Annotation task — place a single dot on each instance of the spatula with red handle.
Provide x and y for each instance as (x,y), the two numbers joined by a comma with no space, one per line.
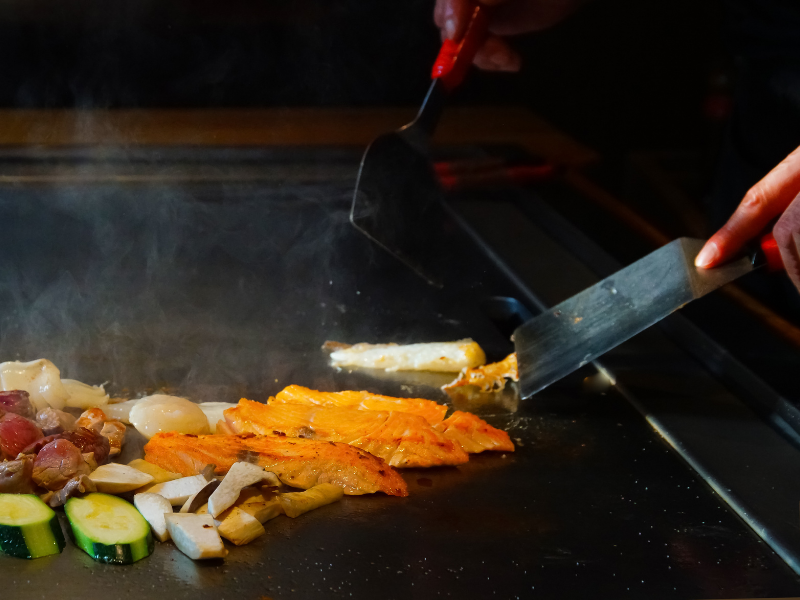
(397,200)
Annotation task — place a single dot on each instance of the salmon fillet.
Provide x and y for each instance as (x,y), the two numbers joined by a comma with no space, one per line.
(296,394)
(401,439)
(297,462)
(474,434)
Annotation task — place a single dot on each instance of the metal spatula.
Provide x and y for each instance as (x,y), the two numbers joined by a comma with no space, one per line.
(600,318)
(398,201)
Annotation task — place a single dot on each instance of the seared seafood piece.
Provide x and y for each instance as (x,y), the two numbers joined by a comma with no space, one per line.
(297,462)
(114,432)
(437,356)
(488,378)
(474,434)
(401,439)
(92,419)
(296,394)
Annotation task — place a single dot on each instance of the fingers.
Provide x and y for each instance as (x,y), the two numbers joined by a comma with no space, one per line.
(452,17)
(762,203)
(787,235)
(497,55)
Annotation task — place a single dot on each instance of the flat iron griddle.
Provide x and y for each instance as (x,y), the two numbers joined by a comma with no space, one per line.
(222,290)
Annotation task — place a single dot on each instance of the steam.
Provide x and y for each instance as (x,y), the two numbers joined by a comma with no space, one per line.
(200,290)
(210,291)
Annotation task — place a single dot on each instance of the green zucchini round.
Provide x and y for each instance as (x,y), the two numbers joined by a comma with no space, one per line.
(28,527)
(109,529)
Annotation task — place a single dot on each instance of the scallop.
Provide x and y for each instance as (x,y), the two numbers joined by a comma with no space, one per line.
(121,411)
(213,412)
(161,413)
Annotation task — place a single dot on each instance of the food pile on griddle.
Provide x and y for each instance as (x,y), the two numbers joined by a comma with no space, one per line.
(217,471)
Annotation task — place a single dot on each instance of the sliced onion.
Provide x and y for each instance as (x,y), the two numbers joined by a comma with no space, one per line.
(40,378)
(84,396)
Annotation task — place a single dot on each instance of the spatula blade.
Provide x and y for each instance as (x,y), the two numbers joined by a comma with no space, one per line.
(603,316)
(397,202)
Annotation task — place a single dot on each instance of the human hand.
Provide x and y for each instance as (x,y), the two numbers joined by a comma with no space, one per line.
(776,194)
(511,17)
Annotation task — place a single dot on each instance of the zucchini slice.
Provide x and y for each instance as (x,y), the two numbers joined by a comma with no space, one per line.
(28,527)
(109,529)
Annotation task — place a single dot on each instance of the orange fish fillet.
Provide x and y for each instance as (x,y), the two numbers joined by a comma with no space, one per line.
(295,394)
(474,434)
(401,439)
(297,462)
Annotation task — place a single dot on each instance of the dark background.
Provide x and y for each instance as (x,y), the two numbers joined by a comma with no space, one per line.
(620,74)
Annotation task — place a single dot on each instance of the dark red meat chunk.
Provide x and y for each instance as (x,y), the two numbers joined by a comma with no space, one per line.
(16,476)
(90,441)
(18,402)
(36,446)
(57,463)
(16,433)
(53,421)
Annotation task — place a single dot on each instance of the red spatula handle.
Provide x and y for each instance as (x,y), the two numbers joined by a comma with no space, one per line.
(772,253)
(455,57)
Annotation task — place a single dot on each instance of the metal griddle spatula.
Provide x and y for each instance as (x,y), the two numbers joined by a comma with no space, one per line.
(397,202)
(600,318)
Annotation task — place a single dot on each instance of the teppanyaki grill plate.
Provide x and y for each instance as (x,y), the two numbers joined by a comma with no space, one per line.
(220,291)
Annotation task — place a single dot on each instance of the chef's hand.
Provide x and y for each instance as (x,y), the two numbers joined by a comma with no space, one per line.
(777,194)
(511,18)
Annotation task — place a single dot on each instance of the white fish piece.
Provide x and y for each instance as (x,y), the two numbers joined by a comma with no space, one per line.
(195,535)
(240,475)
(154,507)
(295,504)
(159,413)
(82,395)
(178,491)
(120,410)
(40,378)
(213,412)
(436,356)
(114,478)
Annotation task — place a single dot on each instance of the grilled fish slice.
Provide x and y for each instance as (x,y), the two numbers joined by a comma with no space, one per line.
(297,462)
(427,409)
(401,439)
(437,356)
(474,434)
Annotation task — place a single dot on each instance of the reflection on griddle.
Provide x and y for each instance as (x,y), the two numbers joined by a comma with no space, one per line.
(472,399)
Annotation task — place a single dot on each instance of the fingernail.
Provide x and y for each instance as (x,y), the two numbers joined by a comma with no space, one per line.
(450,29)
(707,255)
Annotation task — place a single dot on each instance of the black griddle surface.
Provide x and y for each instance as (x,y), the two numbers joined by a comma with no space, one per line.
(223,291)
